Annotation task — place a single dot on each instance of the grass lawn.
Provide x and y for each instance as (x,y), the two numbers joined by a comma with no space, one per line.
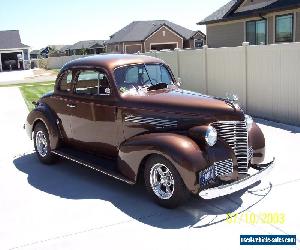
(26,84)
(33,92)
(56,70)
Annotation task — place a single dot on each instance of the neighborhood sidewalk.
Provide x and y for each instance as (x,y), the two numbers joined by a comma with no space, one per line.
(66,206)
(27,76)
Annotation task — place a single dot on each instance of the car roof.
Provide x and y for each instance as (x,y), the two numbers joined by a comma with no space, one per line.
(110,61)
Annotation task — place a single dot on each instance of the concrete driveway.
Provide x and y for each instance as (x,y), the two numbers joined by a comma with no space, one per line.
(66,206)
(27,76)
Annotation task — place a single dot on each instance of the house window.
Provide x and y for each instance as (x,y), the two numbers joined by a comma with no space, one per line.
(164,33)
(117,48)
(199,43)
(284,28)
(256,32)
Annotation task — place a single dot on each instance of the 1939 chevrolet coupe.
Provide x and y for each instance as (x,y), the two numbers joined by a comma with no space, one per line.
(125,116)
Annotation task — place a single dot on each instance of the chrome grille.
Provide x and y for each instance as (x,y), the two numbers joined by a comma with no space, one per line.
(236,135)
(223,167)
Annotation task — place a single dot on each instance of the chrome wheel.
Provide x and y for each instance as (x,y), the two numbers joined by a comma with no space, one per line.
(161,181)
(41,143)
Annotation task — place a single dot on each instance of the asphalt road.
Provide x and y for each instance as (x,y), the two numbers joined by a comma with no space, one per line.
(66,206)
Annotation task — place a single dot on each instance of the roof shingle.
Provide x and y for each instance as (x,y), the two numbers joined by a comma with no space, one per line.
(10,39)
(227,12)
(86,44)
(140,30)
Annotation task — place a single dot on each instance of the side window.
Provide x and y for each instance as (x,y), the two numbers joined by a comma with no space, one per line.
(92,83)
(65,83)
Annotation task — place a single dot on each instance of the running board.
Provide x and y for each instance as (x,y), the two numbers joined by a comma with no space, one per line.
(98,164)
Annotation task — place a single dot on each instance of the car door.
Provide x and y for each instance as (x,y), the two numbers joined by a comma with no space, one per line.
(61,102)
(93,121)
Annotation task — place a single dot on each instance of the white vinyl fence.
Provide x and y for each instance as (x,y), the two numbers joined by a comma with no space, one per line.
(266,78)
(58,62)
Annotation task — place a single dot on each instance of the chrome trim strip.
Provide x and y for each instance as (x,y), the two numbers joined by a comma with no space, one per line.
(151,121)
(91,167)
(212,193)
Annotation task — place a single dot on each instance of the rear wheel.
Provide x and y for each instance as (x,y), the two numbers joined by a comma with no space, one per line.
(164,183)
(42,144)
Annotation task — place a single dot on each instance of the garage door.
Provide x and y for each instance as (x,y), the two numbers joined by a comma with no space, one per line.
(162,46)
(134,48)
(9,61)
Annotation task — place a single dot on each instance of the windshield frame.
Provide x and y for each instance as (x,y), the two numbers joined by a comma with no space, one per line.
(141,64)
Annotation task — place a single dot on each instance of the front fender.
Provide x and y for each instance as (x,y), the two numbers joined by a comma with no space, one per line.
(180,150)
(44,114)
(257,142)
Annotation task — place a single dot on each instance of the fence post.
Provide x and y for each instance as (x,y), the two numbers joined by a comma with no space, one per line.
(245,89)
(178,62)
(205,47)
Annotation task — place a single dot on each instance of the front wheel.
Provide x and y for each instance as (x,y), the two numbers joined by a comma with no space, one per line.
(164,183)
(42,144)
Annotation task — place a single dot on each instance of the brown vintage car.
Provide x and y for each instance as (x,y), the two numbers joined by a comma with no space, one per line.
(125,116)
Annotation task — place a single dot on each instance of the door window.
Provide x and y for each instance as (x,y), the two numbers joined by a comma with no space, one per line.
(92,83)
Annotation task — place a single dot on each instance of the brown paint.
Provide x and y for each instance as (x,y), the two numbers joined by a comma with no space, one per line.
(98,123)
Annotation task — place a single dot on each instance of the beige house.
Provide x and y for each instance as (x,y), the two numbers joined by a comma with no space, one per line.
(255,21)
(143,36)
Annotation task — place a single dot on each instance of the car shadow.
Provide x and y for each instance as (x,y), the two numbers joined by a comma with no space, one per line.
(71,181)
(290,128)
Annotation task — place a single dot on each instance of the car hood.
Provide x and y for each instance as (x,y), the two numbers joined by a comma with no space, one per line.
(187,104)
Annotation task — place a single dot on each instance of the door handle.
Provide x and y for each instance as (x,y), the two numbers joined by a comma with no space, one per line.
(71,106)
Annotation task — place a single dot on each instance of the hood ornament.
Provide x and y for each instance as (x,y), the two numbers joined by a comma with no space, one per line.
(232,100)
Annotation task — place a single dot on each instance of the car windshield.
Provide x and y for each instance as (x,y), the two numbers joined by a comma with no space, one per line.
(138,79)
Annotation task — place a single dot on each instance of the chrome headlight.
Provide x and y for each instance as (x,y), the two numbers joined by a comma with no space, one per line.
(249,122)
(211,136)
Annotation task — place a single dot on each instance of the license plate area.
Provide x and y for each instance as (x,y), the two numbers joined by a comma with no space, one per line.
(207,177)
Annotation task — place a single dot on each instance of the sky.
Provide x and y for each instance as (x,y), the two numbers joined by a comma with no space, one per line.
(64,22)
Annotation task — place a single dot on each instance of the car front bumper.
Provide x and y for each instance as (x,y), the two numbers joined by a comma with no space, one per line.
(223,190)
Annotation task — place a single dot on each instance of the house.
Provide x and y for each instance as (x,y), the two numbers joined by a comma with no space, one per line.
(13,53)
(143,36)
(255,21)
(35,54)
(51,51)
(86,47)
